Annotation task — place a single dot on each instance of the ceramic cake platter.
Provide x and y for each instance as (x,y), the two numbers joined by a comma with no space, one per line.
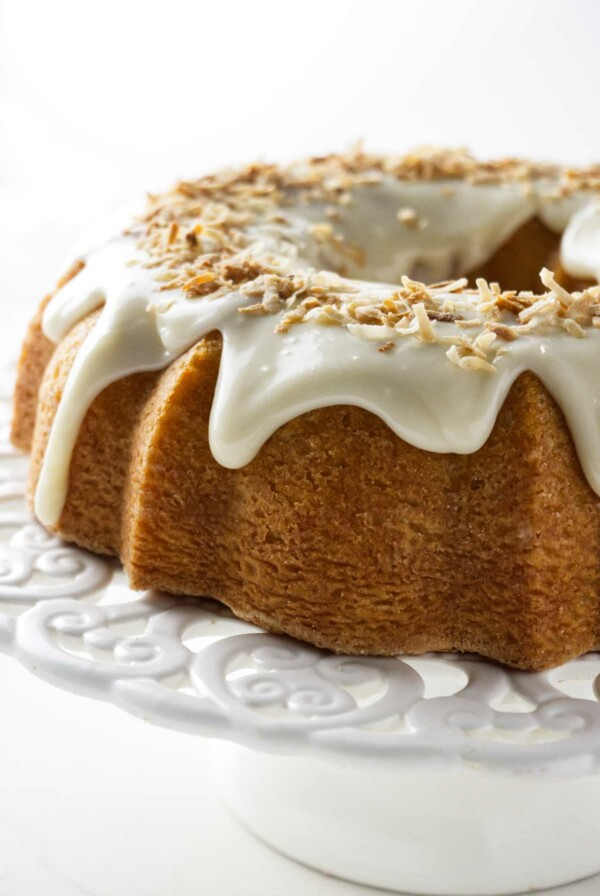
(441,767)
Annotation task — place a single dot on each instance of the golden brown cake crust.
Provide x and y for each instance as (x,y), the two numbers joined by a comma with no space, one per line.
(339,532)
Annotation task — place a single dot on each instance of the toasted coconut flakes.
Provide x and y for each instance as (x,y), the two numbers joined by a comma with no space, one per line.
(289,320)
(426,331)
(408,217)
(413,285)
(386,347)
(369,314)
(172,233)
(328,280)
(543,306)
(453,355)
(484,341)
(484,290)
(584,306)
(441,284)
(199,280)
(456,285)
(322,232)
(469,324)
(572,327)
(447,317)
(502,331)
(468,362)
(328,314)
(547,278)
(253,309)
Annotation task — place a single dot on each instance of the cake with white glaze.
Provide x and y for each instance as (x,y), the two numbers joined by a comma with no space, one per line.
(338,397)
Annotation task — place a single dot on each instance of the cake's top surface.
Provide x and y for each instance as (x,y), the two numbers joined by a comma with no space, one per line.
(240,230)
(271,256)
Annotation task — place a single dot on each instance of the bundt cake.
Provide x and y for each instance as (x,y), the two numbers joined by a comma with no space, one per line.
(233,398)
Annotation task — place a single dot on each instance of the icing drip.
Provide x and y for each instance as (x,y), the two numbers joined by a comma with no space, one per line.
(581,243)
(267,378)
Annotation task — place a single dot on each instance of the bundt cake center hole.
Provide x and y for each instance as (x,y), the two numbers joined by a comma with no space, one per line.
(372,255)
(516,265)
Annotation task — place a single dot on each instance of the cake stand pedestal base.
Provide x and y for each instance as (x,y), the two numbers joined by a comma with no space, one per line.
(457,830)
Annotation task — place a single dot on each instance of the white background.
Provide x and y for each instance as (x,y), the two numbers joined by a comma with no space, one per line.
(100,101)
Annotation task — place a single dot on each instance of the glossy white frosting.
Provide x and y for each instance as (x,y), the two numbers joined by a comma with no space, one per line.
(268,378)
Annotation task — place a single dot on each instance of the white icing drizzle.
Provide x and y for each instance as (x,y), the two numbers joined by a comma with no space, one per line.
(268,378)
(581,243)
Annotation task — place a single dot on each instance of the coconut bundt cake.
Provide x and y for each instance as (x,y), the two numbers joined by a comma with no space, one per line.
(301,390)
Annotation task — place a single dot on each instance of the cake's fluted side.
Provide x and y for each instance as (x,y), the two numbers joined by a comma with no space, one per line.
(338,532)
(100,464)
(35,356)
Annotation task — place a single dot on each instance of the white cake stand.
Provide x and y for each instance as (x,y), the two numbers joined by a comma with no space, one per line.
(430,775)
